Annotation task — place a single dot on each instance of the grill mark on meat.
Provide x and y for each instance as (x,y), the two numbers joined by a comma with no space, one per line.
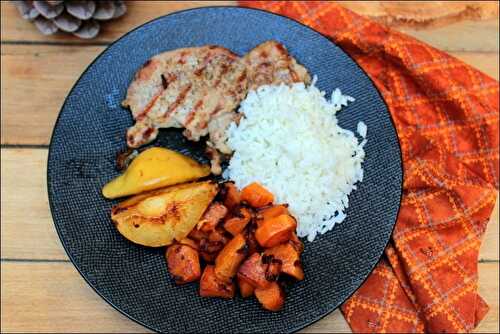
(242,77)
(203,125)
(164,82)
(281,49)
(216,110)
(148,107)
(225,69)
(192,113)
(206,60)
(293,74)
(130,139)
(148,132)
(180,98)
(147,69)
(199,71)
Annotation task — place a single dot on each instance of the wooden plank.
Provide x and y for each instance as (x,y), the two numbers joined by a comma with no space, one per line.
(24,190)
(52,297)
(35,79)
(459,35)
(46,73)
(462,36)
(15,28)
(446,25)
(27,228)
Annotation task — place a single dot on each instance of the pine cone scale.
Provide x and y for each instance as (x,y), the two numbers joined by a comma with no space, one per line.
(78,17)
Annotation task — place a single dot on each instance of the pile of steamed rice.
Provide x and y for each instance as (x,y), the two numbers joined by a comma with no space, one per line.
(290,142)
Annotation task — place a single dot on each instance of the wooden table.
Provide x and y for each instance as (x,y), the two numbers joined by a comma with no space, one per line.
(41,290)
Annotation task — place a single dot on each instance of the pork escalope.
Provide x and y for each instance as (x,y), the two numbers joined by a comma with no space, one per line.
(185,88)
(199,89)
(270,63)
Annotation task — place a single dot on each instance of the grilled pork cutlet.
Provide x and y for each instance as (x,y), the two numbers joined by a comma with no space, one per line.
(186,88)
(270,63)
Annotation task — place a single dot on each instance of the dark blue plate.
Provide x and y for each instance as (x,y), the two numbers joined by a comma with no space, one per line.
(90,131)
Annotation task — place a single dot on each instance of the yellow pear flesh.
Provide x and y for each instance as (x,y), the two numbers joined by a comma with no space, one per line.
(155,168)
(161,216)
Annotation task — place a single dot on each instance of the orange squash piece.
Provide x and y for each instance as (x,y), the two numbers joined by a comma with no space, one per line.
(271,212)
(232,196)
(230,258)
(211,217)
(271,298)
(246,289)
(253,271)
(256,195)
(237,224)
(183,263)
(211,286)
(290,259)
(275,231)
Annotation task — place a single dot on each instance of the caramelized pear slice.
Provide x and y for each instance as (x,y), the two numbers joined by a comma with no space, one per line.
(159,217)
(155,168)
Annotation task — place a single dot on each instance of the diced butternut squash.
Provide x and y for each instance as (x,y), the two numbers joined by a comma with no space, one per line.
(290,259)
(275,231)
(231,195)
(230,258)
(215,241)
(211,286)
(271,298)
(211,217)
(237,224)
(183,263)
(246,289)
(253,271)
(271,212)
(256,195)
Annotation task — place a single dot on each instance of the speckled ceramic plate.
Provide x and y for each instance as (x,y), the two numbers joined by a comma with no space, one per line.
(90,131)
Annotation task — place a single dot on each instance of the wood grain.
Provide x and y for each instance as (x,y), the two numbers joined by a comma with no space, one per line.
(458,36)
(46,73)
(31,235)
(53,297)
(35,79)
(14,28)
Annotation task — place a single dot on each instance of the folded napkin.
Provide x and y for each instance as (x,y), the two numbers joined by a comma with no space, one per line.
(446,116)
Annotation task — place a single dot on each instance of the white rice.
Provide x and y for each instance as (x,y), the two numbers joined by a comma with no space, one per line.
(289,141)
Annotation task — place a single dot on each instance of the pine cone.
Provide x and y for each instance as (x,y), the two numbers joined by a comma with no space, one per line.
(80,18)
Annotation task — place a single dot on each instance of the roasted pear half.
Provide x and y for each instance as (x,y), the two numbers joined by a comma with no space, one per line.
(159,217)
(155,168)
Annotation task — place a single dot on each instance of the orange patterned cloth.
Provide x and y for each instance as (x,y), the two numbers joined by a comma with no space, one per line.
(446,114)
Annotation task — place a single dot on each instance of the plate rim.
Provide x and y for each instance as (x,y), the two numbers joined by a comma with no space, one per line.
(52,205)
